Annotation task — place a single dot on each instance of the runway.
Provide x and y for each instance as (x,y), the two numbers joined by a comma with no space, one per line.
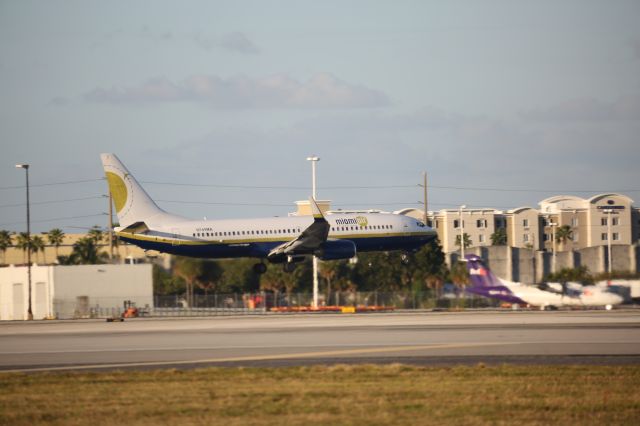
(428,338)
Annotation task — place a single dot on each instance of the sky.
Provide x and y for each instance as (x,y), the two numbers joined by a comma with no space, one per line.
(214,106)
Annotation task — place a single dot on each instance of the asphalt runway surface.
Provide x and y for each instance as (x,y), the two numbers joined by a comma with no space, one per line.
(424,338)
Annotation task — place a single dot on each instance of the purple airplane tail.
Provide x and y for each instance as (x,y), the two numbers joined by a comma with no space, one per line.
(485,283)
(479,274)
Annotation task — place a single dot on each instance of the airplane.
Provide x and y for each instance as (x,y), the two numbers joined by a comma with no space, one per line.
(485,283)
(284,240)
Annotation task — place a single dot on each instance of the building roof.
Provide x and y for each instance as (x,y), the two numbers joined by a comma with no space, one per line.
(520,209)
(562,202)
(599,197)
(571,202)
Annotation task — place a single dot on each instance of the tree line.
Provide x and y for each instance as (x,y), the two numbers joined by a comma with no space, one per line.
(85,250)
(376,271)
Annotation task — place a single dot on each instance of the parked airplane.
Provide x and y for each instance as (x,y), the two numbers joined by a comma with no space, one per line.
(285,240)
(485,283)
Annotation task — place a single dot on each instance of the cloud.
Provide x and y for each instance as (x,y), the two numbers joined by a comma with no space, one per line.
(236,42)
(60,101)
(635,45)
(378,147)
(322,90)
(588,109)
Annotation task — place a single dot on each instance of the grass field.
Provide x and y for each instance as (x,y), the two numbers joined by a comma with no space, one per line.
(361,394)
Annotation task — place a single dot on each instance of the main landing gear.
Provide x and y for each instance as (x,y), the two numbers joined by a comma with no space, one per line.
(260,268)
(288,267)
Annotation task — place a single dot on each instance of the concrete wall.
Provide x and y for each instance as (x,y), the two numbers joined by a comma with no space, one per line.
(529,266)
(71,291)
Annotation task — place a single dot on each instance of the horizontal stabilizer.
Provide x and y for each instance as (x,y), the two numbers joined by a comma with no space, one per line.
(135,228)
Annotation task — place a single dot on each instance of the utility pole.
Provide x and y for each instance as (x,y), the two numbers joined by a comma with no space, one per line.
(424,187)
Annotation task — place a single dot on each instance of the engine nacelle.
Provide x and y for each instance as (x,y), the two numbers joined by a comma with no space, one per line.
(337,249)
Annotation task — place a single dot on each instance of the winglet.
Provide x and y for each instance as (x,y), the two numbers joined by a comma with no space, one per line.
(315,210)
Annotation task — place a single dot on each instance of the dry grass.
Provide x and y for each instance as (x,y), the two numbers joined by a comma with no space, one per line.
(363,394)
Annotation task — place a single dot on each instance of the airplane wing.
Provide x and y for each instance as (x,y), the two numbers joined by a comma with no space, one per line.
(308,241)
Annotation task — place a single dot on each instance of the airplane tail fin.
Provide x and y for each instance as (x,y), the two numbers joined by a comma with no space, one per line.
(132,203)
(479,274)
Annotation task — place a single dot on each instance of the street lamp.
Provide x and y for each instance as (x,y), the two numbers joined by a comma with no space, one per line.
(314,159)
(464,206)
(26,169)
(552,225)
(608,212)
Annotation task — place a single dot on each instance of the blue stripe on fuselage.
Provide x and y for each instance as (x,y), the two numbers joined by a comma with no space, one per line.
(261,249)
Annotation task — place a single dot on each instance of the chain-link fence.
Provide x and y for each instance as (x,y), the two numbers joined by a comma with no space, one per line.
(261,303)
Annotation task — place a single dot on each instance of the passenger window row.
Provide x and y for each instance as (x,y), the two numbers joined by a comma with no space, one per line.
(287,231)
(360,228)
(241,233)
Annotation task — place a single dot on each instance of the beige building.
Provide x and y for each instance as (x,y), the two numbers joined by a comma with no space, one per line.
(121,253)
(478,224)
(523,228)
(591,223)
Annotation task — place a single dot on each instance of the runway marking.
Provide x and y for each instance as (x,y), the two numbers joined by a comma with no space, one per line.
(262,357)
(337,345)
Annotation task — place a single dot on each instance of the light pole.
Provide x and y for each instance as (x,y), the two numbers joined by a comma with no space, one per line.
(314,159)
(552,225)
(464,206)
(26,169)
(609,212)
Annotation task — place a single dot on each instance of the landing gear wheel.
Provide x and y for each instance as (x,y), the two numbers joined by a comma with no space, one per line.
(289,267)
(259,268)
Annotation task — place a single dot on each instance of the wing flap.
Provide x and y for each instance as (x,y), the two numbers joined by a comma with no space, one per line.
(308,241)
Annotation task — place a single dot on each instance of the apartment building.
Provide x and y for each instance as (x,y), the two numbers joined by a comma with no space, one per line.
(572,222)
(591,221)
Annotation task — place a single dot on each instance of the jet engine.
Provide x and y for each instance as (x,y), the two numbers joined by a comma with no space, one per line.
(336,249)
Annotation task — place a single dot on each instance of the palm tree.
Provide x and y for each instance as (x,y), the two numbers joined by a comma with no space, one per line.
(23,243)
(329,270)
(85,252)
(189,269)
(56,238)
(96,234)
(37,245)
(467,240)
(5,242)
(459,274)
(499,237)
(564,234)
